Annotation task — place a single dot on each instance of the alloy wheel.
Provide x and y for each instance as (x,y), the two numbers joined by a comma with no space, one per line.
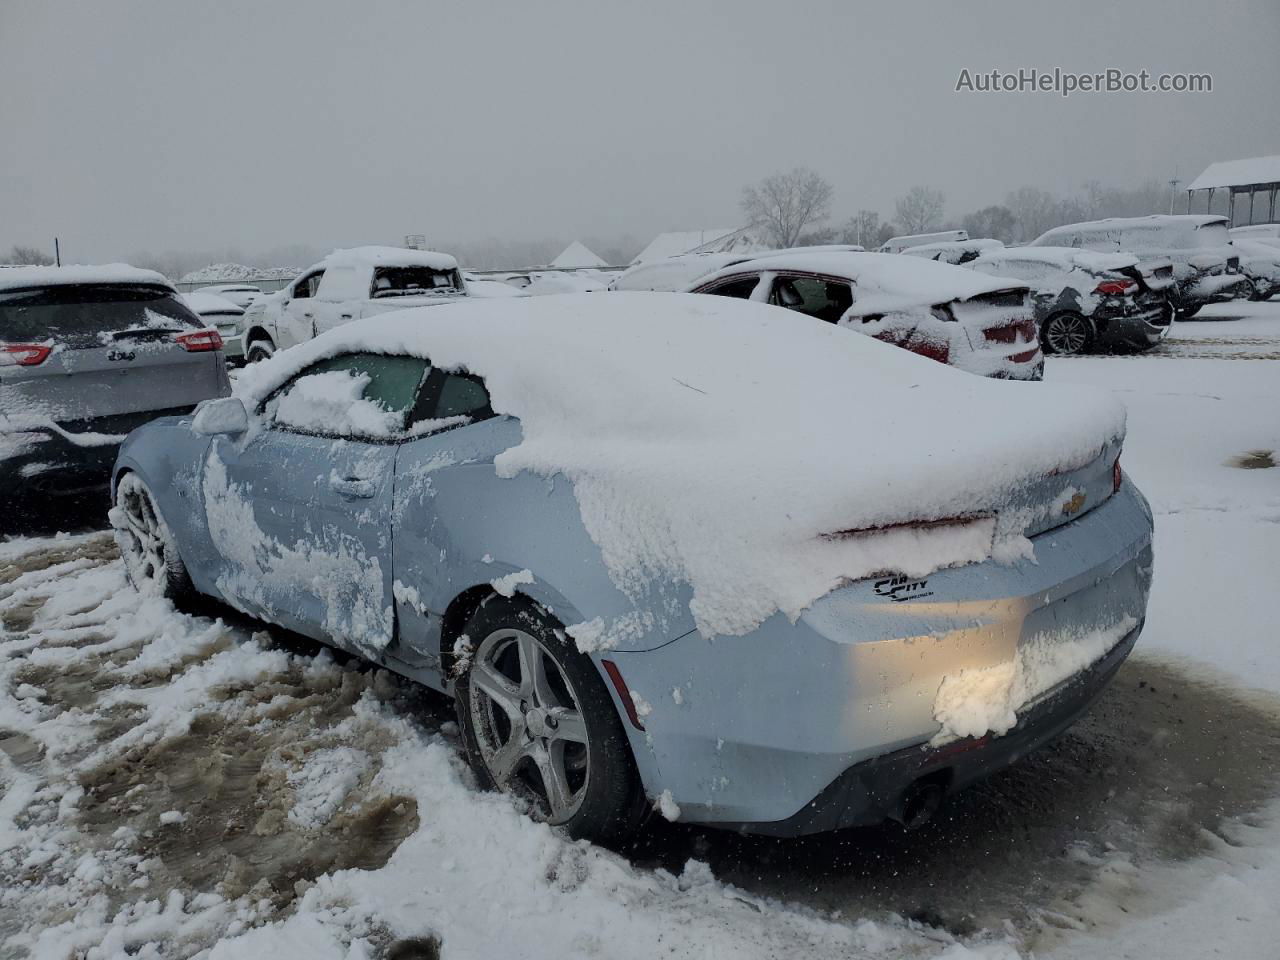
(529,725)
(1067,334)
(141,538)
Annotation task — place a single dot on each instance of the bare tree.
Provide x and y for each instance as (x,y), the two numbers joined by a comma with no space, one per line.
(1034,211)
(920,210)
(29,256)
(863,227)
(996,222)
(782,205)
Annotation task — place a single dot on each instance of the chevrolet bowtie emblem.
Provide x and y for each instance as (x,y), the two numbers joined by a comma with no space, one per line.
(1073,505)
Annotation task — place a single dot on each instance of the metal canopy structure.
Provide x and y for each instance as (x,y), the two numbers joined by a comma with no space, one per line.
(1252,176)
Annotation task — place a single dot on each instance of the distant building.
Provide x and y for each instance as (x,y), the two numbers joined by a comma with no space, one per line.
(576,255)
(721,240)
(1256,179)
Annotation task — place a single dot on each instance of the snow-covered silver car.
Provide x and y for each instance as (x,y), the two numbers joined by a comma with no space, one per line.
(86,355)
(222,314)
(666,551)
(1205,267)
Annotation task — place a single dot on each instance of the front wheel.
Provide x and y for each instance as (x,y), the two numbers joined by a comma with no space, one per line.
(538,723)
(1066,334)
(147,547)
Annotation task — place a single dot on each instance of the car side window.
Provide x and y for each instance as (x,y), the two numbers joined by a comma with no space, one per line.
(450,399)
(816,297)
(306,287)
(740,287)
(365,396)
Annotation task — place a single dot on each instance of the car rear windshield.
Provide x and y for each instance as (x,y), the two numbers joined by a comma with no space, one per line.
(412,281)
(91,315)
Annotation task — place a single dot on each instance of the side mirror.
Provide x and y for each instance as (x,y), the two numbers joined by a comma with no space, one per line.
(224,416)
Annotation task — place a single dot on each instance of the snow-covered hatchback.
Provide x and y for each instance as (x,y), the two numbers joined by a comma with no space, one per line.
(980,324)
(667,550)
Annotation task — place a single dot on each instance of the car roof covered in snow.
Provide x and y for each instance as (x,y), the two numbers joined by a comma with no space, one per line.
(228,288)
(1156,221)
(1067,258)
(20,278)
(207,304)
(928,250)
(389,257)
(730,445)
(898,281)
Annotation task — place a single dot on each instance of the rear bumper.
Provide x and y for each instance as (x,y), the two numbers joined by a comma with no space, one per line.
(1217,288)
(751,732)
(1142,327)
(883,788)
(44,463)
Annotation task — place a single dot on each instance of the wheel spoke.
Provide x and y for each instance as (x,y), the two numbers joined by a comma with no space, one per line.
(502,762)
(487,680)
(569,726)
(550,763)
(534,660)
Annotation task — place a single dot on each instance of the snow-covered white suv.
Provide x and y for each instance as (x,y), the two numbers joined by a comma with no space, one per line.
(347,285)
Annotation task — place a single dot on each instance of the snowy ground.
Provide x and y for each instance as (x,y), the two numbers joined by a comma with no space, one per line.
(178,784)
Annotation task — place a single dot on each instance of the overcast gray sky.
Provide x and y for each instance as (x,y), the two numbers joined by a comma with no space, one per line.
(128,126)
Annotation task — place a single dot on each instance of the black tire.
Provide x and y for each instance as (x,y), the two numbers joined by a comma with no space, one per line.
(1186,313)
(604,800)
(259,350)
(1067,334)
(147,546)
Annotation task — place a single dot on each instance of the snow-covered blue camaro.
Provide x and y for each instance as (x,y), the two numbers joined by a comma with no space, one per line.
(667,551)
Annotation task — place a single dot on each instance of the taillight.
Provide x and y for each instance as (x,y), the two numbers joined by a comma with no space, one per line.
(1115,286)
(624,693)
(23,354)
(200,341)
(1117,476)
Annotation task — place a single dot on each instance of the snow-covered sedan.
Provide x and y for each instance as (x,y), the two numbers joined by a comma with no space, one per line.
(241,294)
(222,314)
(668,551)
(346,285)
(983,325)
(1089,302)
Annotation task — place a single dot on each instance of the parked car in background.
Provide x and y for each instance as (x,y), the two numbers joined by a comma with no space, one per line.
(624,588)
(241,294)
(1089,302)
(983,325)
(898,244)
(347,285)
(1256,231)
(1205,267)
(86,355)
(674,273)
(224,316)
(671,274)
(954,251)
(1260,262)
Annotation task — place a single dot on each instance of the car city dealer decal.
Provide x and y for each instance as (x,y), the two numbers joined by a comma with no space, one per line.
(902,589)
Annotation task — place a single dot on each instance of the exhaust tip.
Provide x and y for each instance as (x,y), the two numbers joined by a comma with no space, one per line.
(919,802)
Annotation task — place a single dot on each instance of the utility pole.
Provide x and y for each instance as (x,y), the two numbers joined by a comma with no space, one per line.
(1173,189)
(57,252)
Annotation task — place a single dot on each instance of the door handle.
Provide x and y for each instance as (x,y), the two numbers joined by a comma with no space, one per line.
(308,314)
(353,487)
(347,316)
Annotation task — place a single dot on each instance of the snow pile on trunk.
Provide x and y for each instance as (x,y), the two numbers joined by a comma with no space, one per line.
(733,445)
